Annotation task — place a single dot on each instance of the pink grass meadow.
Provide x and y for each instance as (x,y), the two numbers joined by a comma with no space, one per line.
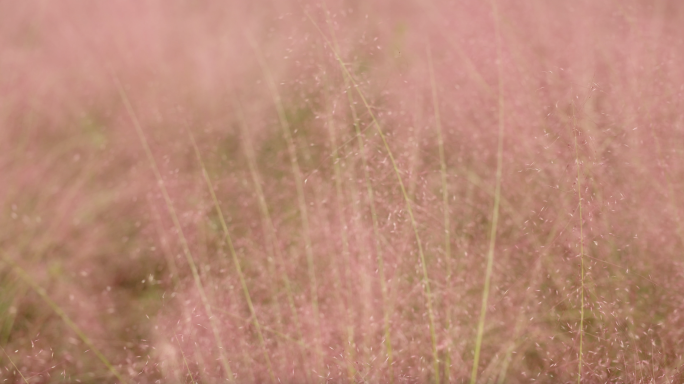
(305,192)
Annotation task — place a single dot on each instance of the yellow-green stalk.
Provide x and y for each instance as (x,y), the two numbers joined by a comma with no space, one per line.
(579,197)
(445,204)
(407,200)
(370,195)
(62,315)
(233,254)
(301,200)
(495,210)
(181,236)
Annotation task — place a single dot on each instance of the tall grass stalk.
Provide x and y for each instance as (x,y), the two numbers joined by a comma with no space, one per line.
(267,224)
(495,209)
(301,199)
(181,236)
(370,196)
(14,365)
(62,315)
(348,346)
(233,254)
(445,204)
(407,200)
(581,225)
(536,276)
(185,361)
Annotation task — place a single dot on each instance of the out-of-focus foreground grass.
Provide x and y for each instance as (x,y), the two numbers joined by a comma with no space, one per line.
(356,191)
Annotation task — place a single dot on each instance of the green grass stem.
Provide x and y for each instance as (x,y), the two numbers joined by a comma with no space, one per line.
(301,199)
(407,200)
(495,210)
(370,196)
(445,204)
(267,224)
(181,236)
(233,254)
(336,159)
(62,315)
(581,225)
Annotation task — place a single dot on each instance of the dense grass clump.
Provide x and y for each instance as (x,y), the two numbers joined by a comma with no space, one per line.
(355,192)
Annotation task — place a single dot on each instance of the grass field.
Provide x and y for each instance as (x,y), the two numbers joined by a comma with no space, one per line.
(342,192)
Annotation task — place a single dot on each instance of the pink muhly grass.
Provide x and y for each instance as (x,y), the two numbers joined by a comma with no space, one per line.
(260,200)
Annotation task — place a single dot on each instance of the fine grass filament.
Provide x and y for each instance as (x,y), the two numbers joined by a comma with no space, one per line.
(268,227)
(579,197)
(181,236)
(62,315)
(236,261)
(301,200)
(495,209)
(407,200)
(370,196)
(445,204)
